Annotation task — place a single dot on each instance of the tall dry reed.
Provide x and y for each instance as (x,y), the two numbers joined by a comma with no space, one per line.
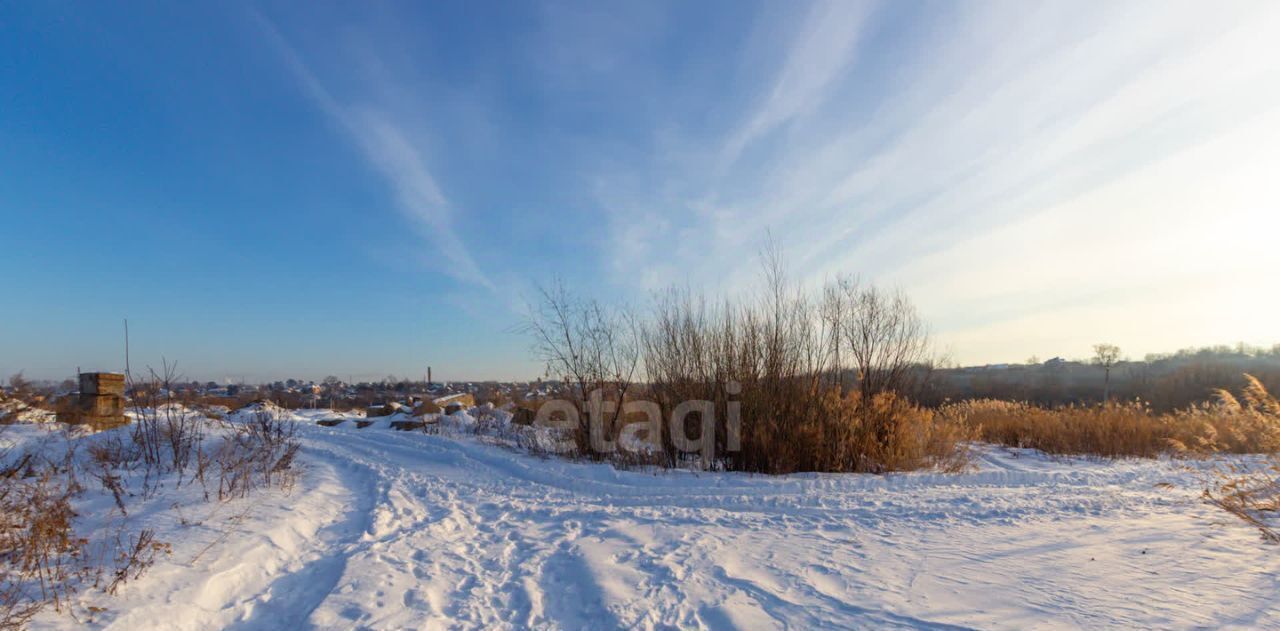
(1249,424)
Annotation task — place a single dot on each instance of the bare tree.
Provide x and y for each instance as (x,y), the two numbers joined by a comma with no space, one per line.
(1106,355)
(590,348)
(883,338)
(19,385)
(880,332)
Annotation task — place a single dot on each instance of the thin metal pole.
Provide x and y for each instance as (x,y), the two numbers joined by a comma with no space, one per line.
(127,375)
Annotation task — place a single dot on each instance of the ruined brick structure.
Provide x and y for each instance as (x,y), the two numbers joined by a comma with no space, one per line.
(100,403)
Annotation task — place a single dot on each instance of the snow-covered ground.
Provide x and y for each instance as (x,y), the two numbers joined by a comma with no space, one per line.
(389,530)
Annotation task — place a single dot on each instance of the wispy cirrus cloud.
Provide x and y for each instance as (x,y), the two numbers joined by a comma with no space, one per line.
(925,145)
(913,143)
(394,154)
(824,46)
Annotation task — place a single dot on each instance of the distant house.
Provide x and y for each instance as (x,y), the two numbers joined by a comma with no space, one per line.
(1056,362)
(383,410)
(455,402)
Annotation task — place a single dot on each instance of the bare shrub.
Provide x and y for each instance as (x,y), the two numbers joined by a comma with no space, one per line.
(37,542)
(133,557)
(169,438)
(256,454)
(45,561)
(167,434)
(775,362)
(778,361)
(16,607)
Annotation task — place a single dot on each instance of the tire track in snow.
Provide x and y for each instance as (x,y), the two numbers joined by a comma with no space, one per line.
(471,536)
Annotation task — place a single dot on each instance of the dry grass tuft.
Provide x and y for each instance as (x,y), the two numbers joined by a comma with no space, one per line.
(1226,425)
(44,561)
(1251,491)
(1247,424)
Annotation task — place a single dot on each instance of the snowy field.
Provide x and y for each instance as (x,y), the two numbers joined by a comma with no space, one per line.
(390,530)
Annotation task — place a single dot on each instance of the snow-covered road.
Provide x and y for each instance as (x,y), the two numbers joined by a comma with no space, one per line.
(392,530)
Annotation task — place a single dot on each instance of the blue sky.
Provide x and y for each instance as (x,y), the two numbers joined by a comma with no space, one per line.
(364,189)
